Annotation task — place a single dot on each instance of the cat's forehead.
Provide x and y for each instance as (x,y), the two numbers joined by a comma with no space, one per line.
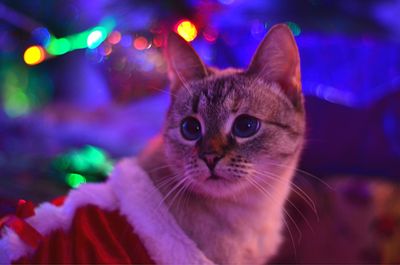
(220,96)
(217,96)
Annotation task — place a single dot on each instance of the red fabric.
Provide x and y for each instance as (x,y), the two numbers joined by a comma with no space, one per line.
(59,200)
(25,231)
(25,209)
(96,237)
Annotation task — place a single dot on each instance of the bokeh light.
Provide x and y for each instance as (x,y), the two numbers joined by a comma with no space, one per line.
(114,38)
(14,98)
(42,35)
(74,180)
(186,30)
(96,37)
(16,103)
(210,34)
(23,89)
(34,55)
(158,40)
(141,43)
(105,49)
(95,55)
(126,41)
(59,46)
(295,28)
(89,159)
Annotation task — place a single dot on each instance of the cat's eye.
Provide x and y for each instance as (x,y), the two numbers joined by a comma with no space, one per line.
(245,126)
(190,128)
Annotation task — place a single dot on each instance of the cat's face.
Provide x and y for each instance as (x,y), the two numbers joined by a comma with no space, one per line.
(227,131)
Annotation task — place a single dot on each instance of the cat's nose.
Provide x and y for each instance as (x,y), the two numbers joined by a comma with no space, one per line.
(211,159)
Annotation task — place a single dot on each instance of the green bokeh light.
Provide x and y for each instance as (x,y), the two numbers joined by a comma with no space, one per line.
(295,28)
(59,46)
(23,89)
(90,38)
(94,155)
(96,37)
(16,103)
(89,161)
(79,41)
(74,180)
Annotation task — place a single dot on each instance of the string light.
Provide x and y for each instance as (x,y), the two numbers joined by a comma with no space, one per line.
(90,38)
(186,30)
(34,55)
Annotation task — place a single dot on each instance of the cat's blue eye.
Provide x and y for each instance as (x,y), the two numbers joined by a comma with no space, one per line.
(245,126)
(190,128)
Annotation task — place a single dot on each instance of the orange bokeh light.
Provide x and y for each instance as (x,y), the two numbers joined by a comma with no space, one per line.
(141,43)
(186,30)
(114,37)
(34,55)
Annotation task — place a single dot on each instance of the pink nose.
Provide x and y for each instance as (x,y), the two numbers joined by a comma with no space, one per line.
(211,159)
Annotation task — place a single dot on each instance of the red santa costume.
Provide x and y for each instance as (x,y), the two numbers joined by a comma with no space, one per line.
(119,221)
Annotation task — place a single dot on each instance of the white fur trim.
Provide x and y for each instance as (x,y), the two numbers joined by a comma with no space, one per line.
(129,188)
(142,204)
(49,217)
(12,247)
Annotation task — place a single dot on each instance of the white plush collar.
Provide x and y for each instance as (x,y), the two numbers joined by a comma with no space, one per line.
(141,203)
(49,217)
(129,190)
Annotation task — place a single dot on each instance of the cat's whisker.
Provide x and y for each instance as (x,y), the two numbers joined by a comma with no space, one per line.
(288,200)
(180,195)
(186,193)
(299,191)
(269,196)
(284,210)
(304,172)
(162,179)
(170,192)
(177,194)
(167,180)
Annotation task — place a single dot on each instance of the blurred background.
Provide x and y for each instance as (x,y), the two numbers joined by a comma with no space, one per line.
(83,83)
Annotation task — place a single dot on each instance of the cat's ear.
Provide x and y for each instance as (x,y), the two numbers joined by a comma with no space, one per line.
(277,59)
(184,65)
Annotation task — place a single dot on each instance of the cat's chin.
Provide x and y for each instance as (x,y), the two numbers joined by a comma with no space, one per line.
(219,188)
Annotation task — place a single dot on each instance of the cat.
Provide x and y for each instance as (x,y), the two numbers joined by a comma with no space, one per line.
(229,147)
